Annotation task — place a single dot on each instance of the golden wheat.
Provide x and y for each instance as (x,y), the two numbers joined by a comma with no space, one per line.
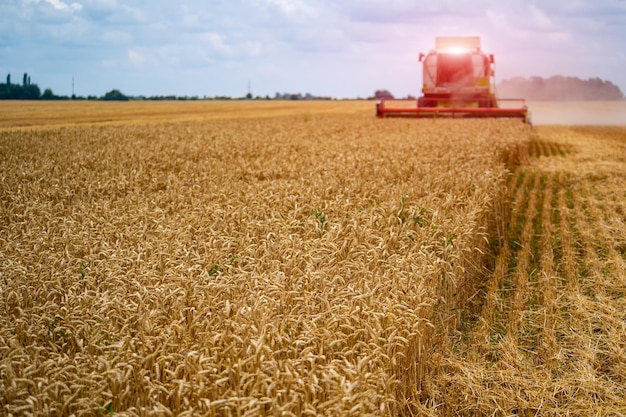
(295,265)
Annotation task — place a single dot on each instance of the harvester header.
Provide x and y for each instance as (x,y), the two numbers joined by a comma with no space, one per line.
(458,81)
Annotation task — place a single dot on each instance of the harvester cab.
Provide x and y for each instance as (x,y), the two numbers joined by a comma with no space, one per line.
(458,81)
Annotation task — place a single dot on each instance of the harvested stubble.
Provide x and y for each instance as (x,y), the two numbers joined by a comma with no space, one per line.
(551,338)
(286,266)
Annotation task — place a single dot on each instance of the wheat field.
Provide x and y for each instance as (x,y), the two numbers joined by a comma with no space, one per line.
(305,259)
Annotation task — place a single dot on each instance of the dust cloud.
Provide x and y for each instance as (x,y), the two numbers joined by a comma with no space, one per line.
(606,113)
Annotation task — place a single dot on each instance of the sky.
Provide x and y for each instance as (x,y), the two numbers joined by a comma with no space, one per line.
(338,48)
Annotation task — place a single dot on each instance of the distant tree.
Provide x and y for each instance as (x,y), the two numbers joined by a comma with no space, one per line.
(115,95)
(380,94)
(31,92)
(48,95)
(26,91)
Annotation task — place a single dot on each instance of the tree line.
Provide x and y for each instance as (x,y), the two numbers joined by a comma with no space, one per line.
(24,91)
(556,88)
(30,91)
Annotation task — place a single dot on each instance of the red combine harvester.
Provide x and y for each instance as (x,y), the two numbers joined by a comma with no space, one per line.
(458,82)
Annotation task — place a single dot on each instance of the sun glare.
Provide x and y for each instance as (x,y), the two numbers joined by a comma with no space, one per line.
(456,50)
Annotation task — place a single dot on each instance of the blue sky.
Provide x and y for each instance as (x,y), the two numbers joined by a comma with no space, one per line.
(340,48)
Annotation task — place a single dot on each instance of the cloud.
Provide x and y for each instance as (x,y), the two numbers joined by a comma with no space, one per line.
(111,12)
(217,42)
(530,25)
(113,37)
(539,19)
(56,4)
(59,5)
(136,58)
(404,11)
(584,7)
(37,12)
(293,9)
(252,48)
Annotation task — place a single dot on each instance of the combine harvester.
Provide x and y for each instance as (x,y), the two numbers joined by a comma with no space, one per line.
(458,82)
